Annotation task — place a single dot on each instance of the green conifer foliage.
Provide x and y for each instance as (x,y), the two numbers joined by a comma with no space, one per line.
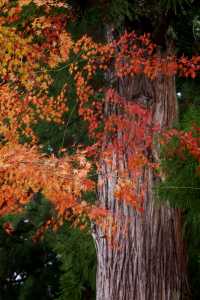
(181,187)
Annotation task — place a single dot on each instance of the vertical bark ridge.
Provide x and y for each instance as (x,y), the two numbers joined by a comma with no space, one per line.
(149,260)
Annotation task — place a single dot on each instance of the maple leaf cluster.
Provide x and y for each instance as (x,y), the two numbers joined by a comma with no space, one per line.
(93,57)
(18,113)
(24,101)
(25,171)
(188,142)
(41,42)
(128,126)
(129,135)
(26,61)
(47,3)
(20,60)
(139,55)
(130,55)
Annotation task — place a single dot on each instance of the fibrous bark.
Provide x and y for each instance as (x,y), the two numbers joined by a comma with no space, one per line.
(148,261)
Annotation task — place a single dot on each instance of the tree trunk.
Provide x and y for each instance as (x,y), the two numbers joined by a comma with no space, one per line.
(149,260)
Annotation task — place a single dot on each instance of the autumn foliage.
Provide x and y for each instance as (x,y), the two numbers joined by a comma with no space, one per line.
(186,142)
(29,55)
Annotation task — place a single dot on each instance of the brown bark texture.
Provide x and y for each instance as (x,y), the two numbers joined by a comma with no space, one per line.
(148,261)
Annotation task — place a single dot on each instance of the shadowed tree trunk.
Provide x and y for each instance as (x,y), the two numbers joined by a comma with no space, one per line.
(149,261)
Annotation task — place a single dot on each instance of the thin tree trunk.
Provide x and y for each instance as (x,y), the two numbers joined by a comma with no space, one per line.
(148,261)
